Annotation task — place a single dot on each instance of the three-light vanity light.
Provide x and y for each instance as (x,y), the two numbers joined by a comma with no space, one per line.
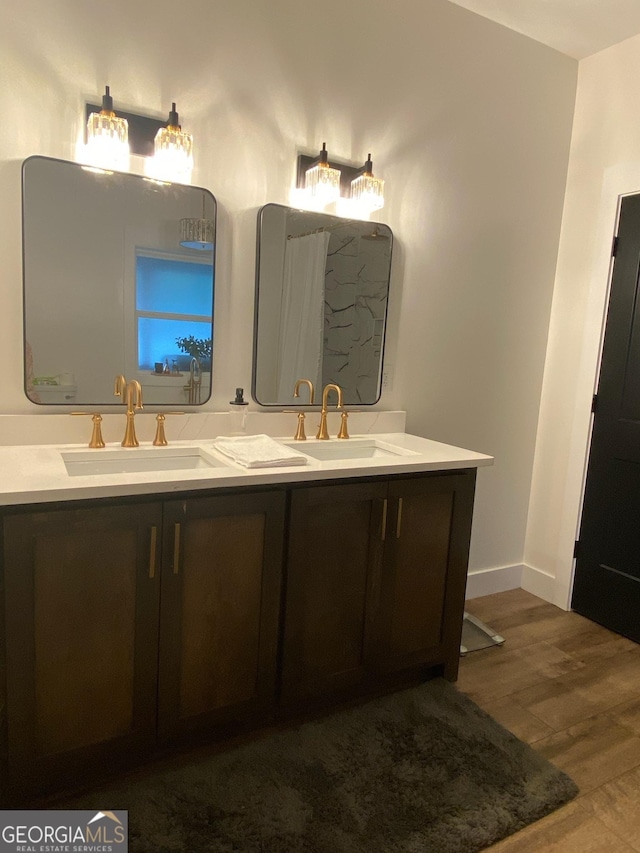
(354,189)
(111,138)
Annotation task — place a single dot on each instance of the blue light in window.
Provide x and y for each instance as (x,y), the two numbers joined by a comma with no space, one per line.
(173,286)
(157,339)
(176,287)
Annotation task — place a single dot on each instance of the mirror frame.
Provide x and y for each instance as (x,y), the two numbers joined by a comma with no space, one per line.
(332,218)
(94,406)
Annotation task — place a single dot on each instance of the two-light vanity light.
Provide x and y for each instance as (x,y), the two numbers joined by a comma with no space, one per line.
(355,190)
(111,138)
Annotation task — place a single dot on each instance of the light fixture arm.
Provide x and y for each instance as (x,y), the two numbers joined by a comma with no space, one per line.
(174,119)
(107,103)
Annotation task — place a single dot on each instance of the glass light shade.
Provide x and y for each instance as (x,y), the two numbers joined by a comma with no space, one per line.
(367,192)
(197,234)
(322,183)
(107,141)
(173,155)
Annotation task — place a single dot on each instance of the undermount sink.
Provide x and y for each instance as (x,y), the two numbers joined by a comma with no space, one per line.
(351,448)
(82,463)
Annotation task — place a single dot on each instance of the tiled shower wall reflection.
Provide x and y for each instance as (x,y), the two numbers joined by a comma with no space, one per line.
(355,308)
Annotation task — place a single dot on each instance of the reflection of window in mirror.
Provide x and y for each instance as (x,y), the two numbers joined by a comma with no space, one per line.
(173,300)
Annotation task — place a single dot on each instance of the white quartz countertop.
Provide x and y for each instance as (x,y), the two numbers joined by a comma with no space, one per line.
(38,473)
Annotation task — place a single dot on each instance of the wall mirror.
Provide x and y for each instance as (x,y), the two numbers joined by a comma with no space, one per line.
(110,288)
(322,285)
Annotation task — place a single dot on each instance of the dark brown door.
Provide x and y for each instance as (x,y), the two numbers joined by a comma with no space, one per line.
(221,579)
(607,578)
(424,572)
(333,567)
(81,615)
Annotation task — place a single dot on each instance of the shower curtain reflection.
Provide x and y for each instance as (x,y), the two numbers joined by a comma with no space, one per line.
(302,312)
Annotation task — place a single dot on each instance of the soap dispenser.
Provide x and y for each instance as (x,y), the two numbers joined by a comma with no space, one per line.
(238,413)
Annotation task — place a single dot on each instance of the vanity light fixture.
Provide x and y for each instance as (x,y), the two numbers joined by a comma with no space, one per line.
(107,137)
(167,149)
(367,192)
(355,189)
(173,152)
(322,181)
(197,233)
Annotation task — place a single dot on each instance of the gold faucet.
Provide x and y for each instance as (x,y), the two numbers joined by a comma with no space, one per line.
(300,433)
(323,432)
(131,393)
(195,382)
(120,386)
(309,384)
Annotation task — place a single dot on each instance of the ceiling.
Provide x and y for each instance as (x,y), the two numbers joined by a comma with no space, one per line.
(575,27)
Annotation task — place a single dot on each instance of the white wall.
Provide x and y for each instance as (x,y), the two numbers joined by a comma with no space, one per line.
(604,164)
(468,122)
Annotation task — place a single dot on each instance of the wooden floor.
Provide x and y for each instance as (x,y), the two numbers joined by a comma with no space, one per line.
(571,689)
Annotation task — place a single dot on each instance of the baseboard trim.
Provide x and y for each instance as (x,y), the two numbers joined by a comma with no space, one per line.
(488,581)
(545,586)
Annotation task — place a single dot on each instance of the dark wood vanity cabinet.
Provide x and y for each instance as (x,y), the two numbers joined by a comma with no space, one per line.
(129,625)
(220,609)
(82,592)
(424,573)
(375,582)
(333,564)
(132,624)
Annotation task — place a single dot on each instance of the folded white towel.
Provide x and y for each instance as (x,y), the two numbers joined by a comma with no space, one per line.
(258,451)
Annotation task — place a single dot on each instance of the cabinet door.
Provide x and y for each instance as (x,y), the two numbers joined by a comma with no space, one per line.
(424,572)
(221,578)
(81,617)
(334,556)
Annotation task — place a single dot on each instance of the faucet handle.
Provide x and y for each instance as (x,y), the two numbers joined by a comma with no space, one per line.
(160,439)
(96,434)
(300,433)
(343,432)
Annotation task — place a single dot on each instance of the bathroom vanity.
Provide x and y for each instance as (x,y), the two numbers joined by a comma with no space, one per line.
(159,597)
(150,610)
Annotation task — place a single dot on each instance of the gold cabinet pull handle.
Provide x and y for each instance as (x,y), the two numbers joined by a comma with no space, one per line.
(399,524)
(152,552)
(176,548)
(383,532)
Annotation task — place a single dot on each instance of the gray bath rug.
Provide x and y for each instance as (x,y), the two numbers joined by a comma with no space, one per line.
(420,771)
